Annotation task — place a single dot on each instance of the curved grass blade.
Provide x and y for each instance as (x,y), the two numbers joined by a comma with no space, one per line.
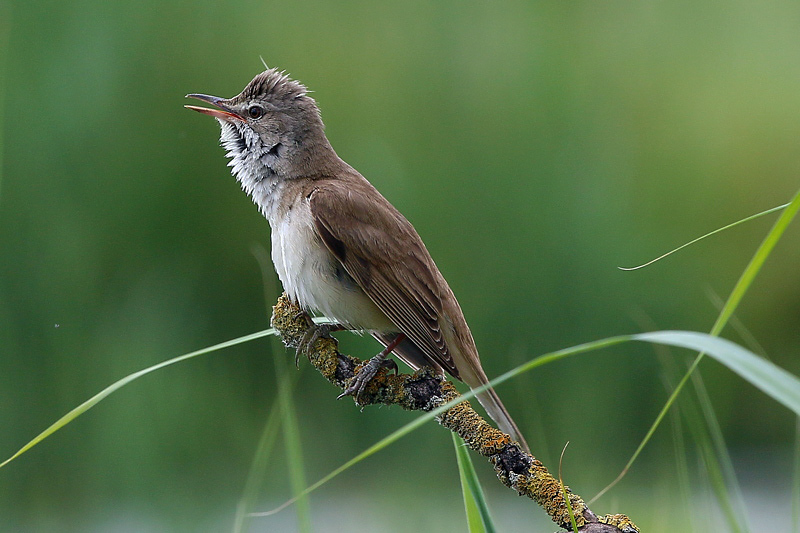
(738,292)
(430,415)
(100,396)
(771,379)
(479,519)
(291,430)
(796,480)
(564,491)
(755,264)
(720,471)
(257,469)
(292,441)
(718,230)
(748,365)
(682,467)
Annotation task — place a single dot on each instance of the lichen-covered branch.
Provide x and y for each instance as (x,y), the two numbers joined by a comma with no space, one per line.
(424,391)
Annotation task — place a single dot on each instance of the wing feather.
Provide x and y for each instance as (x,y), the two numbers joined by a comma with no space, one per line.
(383,253)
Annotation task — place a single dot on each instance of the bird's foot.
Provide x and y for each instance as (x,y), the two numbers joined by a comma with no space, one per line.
(313,334)
(367,372)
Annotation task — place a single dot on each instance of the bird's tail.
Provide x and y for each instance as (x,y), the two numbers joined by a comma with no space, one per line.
(491,402)
(474,376)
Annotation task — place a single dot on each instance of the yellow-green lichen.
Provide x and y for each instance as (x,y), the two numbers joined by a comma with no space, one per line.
(427,390)
(620,521)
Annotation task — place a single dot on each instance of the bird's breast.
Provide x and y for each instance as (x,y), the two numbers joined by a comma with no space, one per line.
(314,278)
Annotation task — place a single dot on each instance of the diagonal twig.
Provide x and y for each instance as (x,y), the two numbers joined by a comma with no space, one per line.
(424,390)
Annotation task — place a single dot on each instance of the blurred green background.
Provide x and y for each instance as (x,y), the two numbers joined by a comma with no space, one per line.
(536,146)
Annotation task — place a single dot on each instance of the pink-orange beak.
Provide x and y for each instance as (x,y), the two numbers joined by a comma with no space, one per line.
(223,113)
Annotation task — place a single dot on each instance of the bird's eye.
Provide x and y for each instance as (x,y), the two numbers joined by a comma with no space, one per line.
(255,111)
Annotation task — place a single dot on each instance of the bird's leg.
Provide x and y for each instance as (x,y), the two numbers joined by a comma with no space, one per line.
(313,333)
(368,371)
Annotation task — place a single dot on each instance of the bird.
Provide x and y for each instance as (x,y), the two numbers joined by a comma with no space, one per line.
(338,246)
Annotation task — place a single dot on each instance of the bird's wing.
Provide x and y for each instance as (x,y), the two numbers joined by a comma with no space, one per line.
(383,253)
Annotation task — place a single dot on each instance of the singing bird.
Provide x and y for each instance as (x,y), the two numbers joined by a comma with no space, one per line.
(339,247)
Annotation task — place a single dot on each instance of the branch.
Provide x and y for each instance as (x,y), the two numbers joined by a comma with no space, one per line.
(424,390)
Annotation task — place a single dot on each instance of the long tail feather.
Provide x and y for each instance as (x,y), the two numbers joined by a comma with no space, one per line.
(415,358)
(491,402)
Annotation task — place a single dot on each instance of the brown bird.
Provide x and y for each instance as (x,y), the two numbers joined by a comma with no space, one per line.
(339,247)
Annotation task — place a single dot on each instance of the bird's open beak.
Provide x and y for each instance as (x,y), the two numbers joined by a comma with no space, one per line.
(223,113)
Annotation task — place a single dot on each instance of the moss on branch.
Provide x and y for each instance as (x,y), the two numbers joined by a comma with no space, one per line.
(424,390)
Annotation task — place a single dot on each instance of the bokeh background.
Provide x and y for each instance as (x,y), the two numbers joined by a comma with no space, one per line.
(536,146)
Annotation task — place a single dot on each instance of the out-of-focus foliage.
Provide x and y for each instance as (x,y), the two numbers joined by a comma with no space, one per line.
(535,146)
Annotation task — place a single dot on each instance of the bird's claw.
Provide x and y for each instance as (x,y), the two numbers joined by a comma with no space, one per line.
(366,373)
(313,333)
(391,365)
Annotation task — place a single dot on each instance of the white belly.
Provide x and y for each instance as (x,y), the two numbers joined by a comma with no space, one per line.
(314,279)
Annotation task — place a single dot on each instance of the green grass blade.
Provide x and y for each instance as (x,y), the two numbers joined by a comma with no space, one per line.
(749,274)
(291,430)
(682,466)
(569,507)
(564,493)
(796,481)
(738,292)
(769,378)
(100,396)
(742,361)
(427,417)
(258,469)
(479,519)
(292,441)
(717,460)
(723,228)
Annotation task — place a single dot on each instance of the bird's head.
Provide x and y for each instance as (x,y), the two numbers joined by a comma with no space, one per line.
(271,128)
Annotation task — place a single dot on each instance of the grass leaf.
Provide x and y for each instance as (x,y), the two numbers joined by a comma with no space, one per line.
(709,234)
(738,292)
(292,441)
(258,469)
(478,518)
(427,417)
(796,480)
(100,396)
(564,493)
(771,379)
